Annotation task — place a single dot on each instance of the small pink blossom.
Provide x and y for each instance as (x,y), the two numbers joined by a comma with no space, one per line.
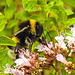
(21,55)
(8,69)
(22,62)
(7,65)
(27,53)
(40,47)
(60,40)
(17,72)
(46,48)
(13,71)
(50,45)
(70,54)
(69,71)
(69,38)
(61,58)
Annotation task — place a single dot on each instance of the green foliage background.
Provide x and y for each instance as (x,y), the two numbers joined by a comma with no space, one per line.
(55,15)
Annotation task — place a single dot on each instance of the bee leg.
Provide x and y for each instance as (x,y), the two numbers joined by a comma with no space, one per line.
(43,41)
(28,42)
(16,50)
(30,47)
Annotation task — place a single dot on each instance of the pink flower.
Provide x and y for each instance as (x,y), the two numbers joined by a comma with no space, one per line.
(61,58)
(21,55)
(22,62)
(40,47)
(68,67)
(50,45)
(27,53)
(8,69)
(18,72)
(13,71)
(69,38)
(46,48)
(70,71)
(60,40)
(7,65)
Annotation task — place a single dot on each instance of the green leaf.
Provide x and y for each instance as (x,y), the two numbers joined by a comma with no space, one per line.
(43,14)
(34,46)
(47,25)
(12,23)
(2,21)
(2,24)
(53,33)
(55,21)
(70,2)
(25,2)
(1,16)
(4,40)
(64,72)
(4,59)
(6,31)
(30,6)
(69,12)
(9,11)
(22,15)
(55,10)
(4,74)
(8,2)
(34,17)
(59,2)
(0,13)
(62,15)
(51,3)
(70,21)
(39,2)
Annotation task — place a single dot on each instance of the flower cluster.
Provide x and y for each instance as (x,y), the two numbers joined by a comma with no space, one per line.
(29,62)
(71,41)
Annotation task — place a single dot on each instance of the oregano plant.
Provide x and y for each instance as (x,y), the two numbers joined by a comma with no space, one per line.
(57,18)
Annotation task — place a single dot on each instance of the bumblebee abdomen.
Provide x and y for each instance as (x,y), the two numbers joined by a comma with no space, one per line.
(16,40)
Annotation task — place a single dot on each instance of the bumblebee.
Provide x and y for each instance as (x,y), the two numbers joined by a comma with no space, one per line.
(29,32)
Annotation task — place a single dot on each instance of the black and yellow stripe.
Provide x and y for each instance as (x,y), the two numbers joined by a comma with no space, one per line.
(29,32)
